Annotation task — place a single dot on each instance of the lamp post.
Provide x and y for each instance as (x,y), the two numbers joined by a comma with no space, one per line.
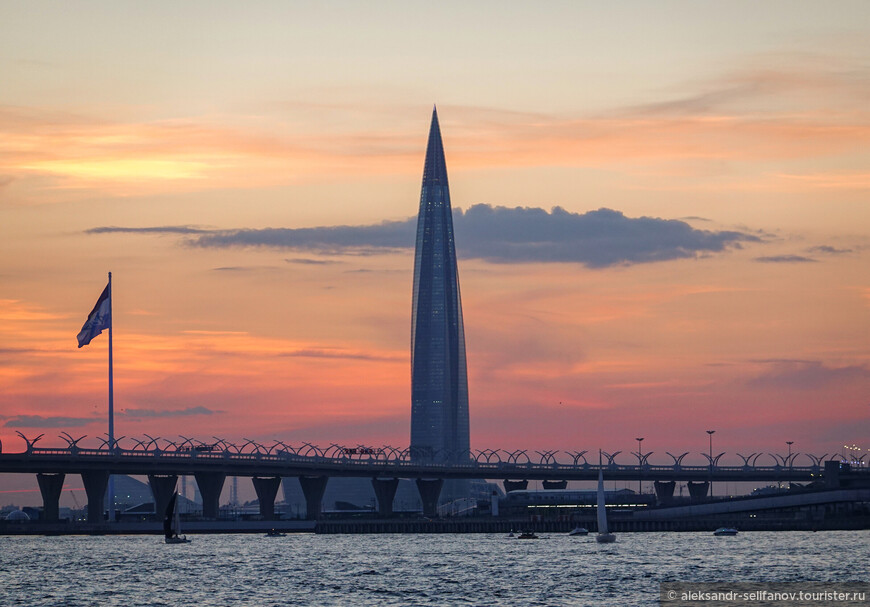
(789,443)
(710,433)
(640,466)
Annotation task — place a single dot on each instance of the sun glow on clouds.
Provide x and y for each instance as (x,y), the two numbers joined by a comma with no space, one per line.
(224,374)
(738,122)
(772,146)
(133,170)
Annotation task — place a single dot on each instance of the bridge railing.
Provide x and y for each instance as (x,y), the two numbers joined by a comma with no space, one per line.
(488,462)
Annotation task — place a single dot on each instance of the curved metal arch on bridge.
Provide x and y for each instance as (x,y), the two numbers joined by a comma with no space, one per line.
(72,443)
(783,460)
(610,457)
(187,441)
(488,455)
(713,461)
(29,442)
(105,444)
(776,460)
(307,449)
(225,445)
(285,448)
(335,451)
(578,455)
(146,444)
(641,457)
(548,457)
(817,461)
(256,448)
(386,453)
(678,459)
(746,459)
(513,456)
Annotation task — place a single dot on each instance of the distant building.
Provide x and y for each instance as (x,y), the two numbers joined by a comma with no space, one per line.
(439,383)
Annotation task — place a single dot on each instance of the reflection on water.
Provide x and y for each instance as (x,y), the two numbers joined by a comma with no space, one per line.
(473,569)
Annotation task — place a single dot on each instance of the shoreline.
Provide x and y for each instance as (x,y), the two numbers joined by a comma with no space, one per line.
(413,526)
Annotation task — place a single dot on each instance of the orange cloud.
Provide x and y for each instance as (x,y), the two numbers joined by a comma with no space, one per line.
(747,119)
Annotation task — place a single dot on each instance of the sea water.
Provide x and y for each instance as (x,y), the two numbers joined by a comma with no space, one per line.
(414,569)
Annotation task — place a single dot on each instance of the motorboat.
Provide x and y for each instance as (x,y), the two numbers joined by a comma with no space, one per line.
(172,523)
(275,533)
(604,536)
(527,535)
(725,531)
(579,531)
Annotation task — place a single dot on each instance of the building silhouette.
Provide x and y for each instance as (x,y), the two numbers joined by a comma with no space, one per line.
(439,383)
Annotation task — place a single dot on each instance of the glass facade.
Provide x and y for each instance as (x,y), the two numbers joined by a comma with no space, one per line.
(439,383)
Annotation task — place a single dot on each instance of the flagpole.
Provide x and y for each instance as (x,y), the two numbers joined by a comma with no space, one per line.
(111,409)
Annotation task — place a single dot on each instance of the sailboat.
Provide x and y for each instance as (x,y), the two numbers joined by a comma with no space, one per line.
(603,537)
(172,523)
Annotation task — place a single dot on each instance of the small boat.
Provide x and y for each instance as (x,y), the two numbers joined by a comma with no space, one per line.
(527,535)
(579,531)
(275,533)
(725,531)
(604,536)
(172,523)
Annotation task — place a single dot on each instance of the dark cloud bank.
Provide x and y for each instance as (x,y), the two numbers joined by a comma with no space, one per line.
(141,413)
(596,239)
(40,421)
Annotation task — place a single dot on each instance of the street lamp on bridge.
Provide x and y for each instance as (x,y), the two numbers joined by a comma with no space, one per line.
(789,443)
(711,432)
(640,466)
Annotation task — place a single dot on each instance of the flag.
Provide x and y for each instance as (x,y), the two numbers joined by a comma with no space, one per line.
(100,318)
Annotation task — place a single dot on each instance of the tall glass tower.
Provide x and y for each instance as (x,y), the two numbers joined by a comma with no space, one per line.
(439,382)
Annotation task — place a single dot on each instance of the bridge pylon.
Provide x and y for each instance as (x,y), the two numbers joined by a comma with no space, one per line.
(210,486)
(50,486)
(267,489)
(313,488)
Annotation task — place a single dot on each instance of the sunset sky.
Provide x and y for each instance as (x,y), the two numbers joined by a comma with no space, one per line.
(662,219)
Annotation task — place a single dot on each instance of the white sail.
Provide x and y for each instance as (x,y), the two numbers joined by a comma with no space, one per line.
(602,513)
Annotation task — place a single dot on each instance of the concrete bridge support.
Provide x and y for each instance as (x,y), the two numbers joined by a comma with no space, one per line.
(664,491)
(50,486)
(430,491)
(162,488)
(555,484)
(267,489)
(210,486)
(313,488)
(385,492)
(95,484)
(698,490)
(510,485)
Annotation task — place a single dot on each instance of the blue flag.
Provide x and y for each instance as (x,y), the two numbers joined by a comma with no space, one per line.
(100,318)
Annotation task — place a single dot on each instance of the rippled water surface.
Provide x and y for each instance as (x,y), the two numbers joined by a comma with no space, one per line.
(468,569)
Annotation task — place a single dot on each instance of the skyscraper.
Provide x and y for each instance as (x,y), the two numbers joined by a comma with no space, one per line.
(439,383)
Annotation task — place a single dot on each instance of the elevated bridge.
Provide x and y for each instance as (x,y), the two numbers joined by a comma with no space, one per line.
(163,460)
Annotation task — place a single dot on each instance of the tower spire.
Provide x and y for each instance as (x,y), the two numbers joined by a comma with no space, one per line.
(439,384)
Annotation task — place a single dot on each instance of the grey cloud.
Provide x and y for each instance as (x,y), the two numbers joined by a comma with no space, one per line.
(199,410)
(39,421)
(147,230)
(323,240)
(785,259)
(829,250)
(807,375)
(310,262)
(596,239)
(244,268)
(334,354)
